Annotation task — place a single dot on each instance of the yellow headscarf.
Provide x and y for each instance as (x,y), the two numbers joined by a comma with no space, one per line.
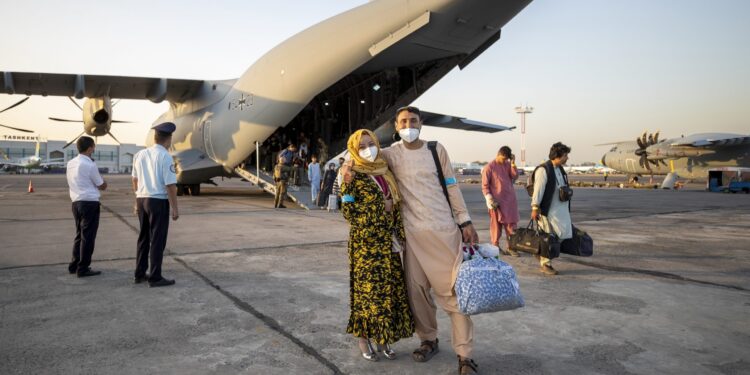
(375,168)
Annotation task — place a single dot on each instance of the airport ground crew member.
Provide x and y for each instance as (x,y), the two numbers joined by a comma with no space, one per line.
(84,182)
(155,187)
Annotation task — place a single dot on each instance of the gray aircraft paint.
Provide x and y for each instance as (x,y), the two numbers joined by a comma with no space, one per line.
(701,152)
(218,122)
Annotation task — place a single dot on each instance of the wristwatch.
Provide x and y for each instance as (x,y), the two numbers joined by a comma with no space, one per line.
(464,224)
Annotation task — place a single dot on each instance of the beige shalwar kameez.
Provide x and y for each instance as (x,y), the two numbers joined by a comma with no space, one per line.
(432,255)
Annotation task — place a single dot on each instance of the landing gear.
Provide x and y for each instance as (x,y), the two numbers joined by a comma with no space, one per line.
(191,189)
(195,189)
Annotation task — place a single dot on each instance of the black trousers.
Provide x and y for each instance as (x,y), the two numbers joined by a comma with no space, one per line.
(153,214)
(86,215)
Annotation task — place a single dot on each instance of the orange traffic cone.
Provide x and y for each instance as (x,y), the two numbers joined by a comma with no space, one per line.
(31,187)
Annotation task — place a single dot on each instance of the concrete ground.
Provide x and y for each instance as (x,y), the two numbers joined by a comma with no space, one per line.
(266,291)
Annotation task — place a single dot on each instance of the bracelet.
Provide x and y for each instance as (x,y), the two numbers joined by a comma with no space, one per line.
(464,224)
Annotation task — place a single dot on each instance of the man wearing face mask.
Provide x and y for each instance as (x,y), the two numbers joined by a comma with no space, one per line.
(433,238)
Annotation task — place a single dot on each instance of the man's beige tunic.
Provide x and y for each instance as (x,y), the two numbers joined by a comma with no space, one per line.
(432,255)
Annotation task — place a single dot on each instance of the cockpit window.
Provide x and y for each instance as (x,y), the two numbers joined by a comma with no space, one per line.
(613,149)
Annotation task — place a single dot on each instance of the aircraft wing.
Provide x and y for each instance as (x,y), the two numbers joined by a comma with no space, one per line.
(711,139)
(80,85)
(460,123)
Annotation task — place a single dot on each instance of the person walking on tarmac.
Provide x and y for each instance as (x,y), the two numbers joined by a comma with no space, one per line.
(280,177)
(155,187)
(433,238)
(313,175)
(85,182)
(547,204)
(498,177)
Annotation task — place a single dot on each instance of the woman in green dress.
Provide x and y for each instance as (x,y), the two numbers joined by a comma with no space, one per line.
(379,306)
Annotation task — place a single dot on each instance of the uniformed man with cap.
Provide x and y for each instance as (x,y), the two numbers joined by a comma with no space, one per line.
(155,187)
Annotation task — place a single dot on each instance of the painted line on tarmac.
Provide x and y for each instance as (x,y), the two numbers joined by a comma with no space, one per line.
(659,274)
(270,322)
(111,211)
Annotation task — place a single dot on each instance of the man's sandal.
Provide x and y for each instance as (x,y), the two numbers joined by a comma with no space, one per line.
(427,349)
(467,366)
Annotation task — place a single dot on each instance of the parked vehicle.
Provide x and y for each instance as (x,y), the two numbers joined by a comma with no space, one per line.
(729,180)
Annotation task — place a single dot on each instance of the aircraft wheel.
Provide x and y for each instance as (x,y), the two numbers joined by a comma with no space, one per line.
(180,190)
(195,190)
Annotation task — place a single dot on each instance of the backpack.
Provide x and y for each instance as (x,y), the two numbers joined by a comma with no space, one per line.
(530,181)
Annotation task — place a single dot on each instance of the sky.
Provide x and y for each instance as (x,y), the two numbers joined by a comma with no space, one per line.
(594,71)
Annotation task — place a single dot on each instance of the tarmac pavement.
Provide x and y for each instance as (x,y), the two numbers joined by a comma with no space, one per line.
(266,291)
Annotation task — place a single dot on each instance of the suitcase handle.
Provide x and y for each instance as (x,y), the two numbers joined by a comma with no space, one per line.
(532,226)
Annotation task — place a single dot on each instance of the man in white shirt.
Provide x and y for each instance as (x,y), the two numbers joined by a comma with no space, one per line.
(84,182)
(436,223)
(155,187)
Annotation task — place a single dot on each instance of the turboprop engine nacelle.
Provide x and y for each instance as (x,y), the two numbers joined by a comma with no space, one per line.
(97,116)
(660,152)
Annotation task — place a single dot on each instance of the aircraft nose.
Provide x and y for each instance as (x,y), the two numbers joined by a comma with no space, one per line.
(604,160)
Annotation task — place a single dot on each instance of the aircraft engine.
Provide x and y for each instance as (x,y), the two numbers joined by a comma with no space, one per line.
(97,120)
(97,117)
(645,141)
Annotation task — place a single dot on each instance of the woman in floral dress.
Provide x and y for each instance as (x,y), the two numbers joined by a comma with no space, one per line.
(379,306)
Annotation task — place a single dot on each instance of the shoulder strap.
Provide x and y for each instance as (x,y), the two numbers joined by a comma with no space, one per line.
(432,145)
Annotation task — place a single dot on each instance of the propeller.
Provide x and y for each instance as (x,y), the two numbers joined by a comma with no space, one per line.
(63,120)
(81,121)
(74,139)
(16,104)
(644,141)
(19,129)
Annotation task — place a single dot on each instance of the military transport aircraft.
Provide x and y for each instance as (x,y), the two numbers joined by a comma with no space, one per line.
(687,156)
(350,71)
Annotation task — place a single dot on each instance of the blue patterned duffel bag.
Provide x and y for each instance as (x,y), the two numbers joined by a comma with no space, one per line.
(487,285)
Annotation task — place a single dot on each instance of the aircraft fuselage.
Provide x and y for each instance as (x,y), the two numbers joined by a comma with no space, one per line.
(696,166)
(217,130)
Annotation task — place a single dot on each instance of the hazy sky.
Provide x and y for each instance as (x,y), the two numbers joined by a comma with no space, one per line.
(595,71)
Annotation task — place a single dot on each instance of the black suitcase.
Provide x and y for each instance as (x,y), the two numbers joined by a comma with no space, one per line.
(534,240)
(581,244)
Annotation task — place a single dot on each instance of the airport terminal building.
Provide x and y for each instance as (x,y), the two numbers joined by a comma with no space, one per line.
(112,158)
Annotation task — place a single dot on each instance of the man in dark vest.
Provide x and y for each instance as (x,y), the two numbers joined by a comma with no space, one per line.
(552,213)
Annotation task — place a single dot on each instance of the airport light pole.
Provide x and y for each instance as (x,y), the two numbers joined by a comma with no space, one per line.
(523,111)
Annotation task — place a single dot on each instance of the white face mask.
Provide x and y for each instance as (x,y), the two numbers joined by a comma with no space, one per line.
(409,135)
(369,153)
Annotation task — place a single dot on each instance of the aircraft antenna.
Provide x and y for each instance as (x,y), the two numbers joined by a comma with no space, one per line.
(523,111)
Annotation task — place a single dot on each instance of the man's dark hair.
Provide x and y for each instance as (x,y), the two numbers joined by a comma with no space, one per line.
(558,150)
(409,109)
(505,151)
(84,143)
(161,137)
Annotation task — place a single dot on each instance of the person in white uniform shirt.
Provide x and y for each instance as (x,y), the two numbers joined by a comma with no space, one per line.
(552,213)
(155,187)
(84,182)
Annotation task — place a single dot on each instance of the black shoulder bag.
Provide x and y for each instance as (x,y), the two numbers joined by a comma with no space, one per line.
(432,145)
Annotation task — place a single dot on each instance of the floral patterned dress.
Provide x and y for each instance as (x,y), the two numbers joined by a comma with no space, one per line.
(379,306)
